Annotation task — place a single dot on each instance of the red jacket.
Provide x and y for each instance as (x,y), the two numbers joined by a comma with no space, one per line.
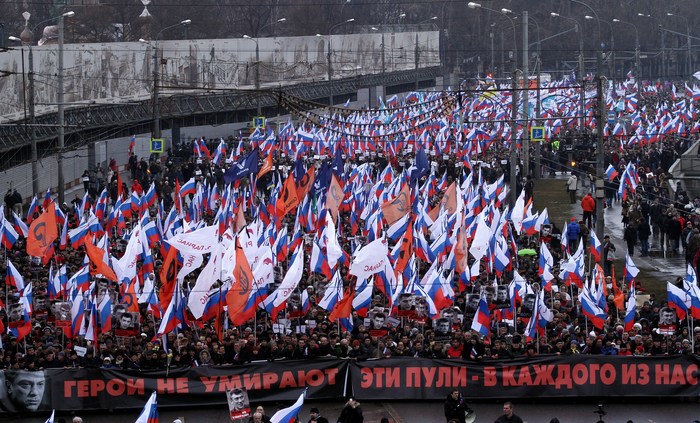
(588,203)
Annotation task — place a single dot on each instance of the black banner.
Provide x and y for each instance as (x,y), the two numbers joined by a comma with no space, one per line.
(103,389)
(384,379)
(546,376)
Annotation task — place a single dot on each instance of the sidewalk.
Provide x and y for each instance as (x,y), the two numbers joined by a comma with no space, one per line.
(658,266)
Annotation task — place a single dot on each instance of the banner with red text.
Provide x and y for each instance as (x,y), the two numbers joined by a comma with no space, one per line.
(375,380)
(541,377)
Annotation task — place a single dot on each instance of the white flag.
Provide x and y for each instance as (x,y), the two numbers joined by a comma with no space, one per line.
(369,259)
(200,241)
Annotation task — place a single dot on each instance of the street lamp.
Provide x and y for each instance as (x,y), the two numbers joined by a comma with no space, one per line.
(30,101)
(636,43)
(61,108)
(689,64)
(581,65)
(612,42)
(600,138)
(257,58)
(156,88)
(473,5)
(330,65)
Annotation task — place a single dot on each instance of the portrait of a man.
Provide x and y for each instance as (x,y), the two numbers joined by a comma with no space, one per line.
(25,389)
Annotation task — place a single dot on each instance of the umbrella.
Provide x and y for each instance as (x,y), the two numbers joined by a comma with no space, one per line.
(527,252)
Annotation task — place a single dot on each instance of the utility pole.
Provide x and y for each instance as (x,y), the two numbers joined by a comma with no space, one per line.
(526,98)
(600,160)
(61,109)
(514,141)
(538,115)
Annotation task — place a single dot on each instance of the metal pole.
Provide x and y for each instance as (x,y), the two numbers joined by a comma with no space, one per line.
(156,94)
(32,124)
(330,74)
(663,55)
(417,57)
(257,75)
(493,73)
(690,54)
(526,97)
(61,114)
(600,160)
(514,140)
(538,114)
(383,67)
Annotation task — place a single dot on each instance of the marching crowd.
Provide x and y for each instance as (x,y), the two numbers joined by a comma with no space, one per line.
(651,212)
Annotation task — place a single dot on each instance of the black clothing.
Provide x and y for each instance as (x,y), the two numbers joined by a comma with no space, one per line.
(513,419)
(351,415)
(455,409)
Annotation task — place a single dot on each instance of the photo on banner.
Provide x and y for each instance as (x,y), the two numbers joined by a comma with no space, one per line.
(238,403)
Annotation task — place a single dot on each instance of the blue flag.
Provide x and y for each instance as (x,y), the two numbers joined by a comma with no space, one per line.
(421,167)
(242,168)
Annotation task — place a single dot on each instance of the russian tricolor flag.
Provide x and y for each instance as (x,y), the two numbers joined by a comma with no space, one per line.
(679,300)
(596,247)
(482,319)
(150,411)
(631,311)
(611,172)
(189,187)
(289,414)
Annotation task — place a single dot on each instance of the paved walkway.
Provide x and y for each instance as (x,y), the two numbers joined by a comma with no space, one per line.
(661,264)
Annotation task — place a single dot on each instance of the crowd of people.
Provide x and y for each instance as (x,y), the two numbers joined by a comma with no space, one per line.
(404,330)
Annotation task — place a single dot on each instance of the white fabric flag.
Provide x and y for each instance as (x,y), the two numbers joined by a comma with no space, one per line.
(332,246)
(289,283)
(369,259)
(201,241)
(211,272)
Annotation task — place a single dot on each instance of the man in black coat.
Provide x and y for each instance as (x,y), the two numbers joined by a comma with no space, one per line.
(455,407)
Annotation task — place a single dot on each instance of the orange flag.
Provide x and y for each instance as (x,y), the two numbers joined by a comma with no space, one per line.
(406,250)
(288,198)
(398,207)
(343,309)
(130,299)
(168,278)
(619,296)
(238,294)
(306,183)
(335,197)
(240,220)
(266,166)
(97,263)
(42,232)
(449,199)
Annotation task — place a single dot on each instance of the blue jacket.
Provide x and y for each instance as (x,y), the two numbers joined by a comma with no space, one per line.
(573,231)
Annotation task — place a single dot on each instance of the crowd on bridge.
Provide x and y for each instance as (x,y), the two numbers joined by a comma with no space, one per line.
(433,310)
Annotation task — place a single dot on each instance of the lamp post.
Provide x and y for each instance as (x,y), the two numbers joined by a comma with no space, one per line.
(156,76)
(330,64)
(600,139)
(689,62)
(581,65)
(61,108)
(473,5)
(612,43)
(579,29)
(257,57)
(29,103)
(35,176)
(636,43)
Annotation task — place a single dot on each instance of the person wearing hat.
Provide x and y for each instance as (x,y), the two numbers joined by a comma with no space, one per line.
(316,416)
